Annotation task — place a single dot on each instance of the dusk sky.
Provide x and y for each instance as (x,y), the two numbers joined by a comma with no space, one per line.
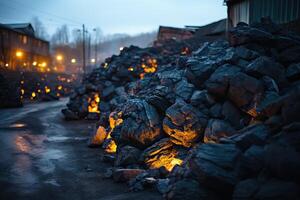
(113,16)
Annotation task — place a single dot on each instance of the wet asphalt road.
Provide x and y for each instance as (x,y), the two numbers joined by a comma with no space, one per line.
(44,157)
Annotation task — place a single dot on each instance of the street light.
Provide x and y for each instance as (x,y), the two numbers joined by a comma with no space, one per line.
(19,54)
(93,60)
(73,60)
(59,57)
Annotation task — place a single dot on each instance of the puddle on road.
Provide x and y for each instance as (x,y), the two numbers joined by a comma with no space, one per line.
(64,138)
(33,155)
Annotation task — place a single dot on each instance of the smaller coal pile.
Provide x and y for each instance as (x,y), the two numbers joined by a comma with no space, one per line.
(219,123)
(112,80)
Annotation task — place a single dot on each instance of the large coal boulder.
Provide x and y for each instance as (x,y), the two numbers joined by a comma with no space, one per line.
(198,72)
(283,152)
(184,123)
(217,129)
(290,55)
(187,189)
(245,92)
(290,110)
(293,72)
(141,124)
(218,83)
(256,134)
(184,90)
(272,189)
(244,34)
(217,166)
(264,66)
(160,98)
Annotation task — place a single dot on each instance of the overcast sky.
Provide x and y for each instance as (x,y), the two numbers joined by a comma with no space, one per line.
(113,16)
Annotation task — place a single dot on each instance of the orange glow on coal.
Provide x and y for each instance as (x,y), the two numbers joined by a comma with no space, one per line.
(94,104)
(168,160)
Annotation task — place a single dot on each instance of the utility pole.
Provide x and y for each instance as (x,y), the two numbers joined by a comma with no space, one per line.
(89,48)
(83,50)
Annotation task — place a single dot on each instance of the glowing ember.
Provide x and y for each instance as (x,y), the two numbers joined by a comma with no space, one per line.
(111,147)
(94,104)
(167,160)
(114,120)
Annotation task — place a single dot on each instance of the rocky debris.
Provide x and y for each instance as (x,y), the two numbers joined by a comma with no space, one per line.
(219,123)
(187,189)
(127,155)
(124,175)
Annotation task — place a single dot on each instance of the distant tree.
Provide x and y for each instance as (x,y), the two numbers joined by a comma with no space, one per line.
(61,36)
(39,28)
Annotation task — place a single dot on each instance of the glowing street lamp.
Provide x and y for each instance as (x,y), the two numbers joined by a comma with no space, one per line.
(43,64)
(19,54)
(59,57)
(93,60)
(34,63)
(73,60)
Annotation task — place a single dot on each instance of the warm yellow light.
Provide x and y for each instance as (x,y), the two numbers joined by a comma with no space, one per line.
(48,69)
(73,60)
(22,91)
(44,64)
(47,89)
(22,82)
(34,63)
(19,54)
(93,60)
(33,94)
(39,91)
(130,69)
(59,57)
(55,68)
(59,87)
(6,65)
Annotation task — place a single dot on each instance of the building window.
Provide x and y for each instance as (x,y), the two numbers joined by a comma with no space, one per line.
(24,40)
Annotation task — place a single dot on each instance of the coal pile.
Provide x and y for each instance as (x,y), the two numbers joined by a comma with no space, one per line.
(219,123)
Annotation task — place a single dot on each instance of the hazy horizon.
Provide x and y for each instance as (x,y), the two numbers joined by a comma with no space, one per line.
(114,16)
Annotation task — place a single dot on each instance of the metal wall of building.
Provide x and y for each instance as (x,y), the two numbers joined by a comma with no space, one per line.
(239,12)
(280,11)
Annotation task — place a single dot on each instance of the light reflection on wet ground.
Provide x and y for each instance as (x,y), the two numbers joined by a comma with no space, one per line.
(44,157)
(25,152)
(17,125)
